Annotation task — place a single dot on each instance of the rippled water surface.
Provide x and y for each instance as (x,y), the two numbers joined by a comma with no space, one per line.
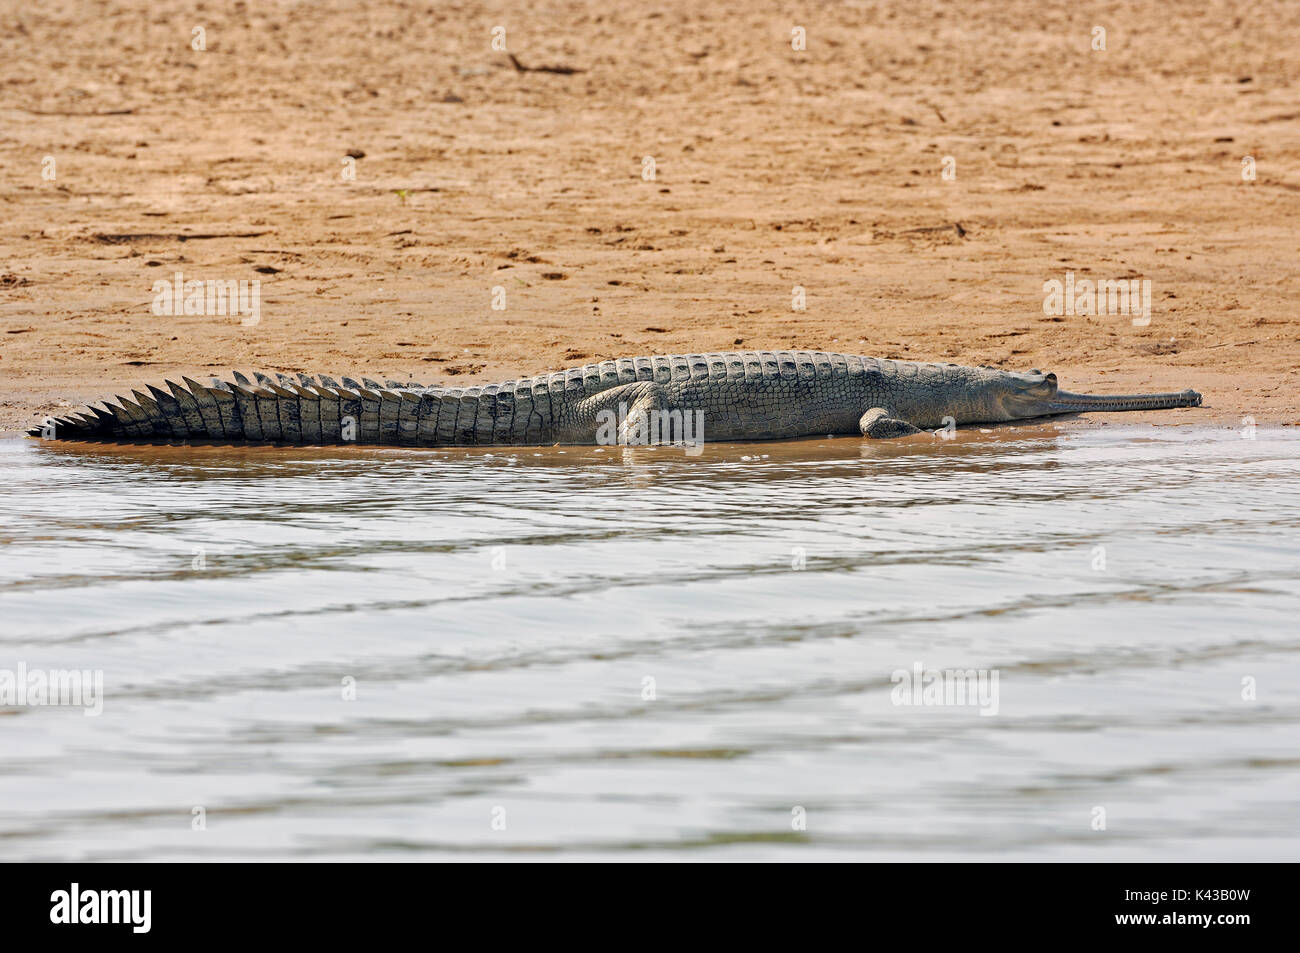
(642,654)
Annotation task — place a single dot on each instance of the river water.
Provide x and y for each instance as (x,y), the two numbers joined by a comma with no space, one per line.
(642,654)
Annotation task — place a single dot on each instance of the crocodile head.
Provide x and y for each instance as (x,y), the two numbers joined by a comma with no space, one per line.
(1016,396)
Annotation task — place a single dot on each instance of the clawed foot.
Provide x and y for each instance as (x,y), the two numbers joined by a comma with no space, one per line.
(877,424)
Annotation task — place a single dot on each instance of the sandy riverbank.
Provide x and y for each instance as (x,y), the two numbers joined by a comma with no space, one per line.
(773,168)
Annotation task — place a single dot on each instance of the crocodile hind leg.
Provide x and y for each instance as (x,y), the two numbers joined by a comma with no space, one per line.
(636,413)
(877,424)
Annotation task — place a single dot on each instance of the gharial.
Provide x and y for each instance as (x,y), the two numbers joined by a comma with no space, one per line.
(737,395)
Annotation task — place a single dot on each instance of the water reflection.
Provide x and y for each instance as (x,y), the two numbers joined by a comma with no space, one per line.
(500,610)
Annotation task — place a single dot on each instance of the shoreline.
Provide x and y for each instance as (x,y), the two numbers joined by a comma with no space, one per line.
(1038,427)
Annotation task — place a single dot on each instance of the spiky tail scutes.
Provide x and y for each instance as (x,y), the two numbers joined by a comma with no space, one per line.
(270,410)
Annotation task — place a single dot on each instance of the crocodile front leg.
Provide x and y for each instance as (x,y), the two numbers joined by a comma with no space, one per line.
(877,424)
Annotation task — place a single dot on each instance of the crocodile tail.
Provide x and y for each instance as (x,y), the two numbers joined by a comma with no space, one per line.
(266,409)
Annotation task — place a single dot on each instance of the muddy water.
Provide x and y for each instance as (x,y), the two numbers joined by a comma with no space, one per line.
(641,654)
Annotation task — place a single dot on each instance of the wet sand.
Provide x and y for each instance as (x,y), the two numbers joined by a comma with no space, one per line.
(773,168)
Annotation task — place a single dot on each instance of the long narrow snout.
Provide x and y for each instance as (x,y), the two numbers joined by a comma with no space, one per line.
(1066,403)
